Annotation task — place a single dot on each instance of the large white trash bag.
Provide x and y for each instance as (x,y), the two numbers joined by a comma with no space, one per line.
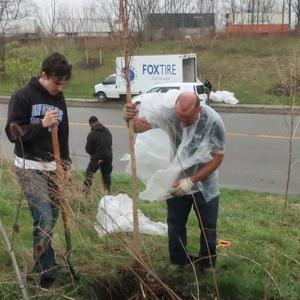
(223,96)
(157,146)
(115,214)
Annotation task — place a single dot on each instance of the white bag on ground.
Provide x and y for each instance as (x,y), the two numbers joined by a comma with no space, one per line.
(115,214)
(223,96)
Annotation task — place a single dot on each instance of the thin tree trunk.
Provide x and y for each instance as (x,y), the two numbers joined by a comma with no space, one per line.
(2,52)
(252,12)
(282,13)
(126,51)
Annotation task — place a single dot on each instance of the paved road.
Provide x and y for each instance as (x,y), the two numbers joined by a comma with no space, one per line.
(256,149)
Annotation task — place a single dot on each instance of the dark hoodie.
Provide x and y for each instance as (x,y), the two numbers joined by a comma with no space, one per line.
(99,143)
(27,108)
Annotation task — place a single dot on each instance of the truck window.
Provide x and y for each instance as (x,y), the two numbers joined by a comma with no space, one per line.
(200,89)
(165,89)
(110,80)
(162,89)
(153,90)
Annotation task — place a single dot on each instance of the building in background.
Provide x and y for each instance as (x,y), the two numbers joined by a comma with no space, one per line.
(176,25)
(248,22)
(22,27)
(82,27)
(31,28)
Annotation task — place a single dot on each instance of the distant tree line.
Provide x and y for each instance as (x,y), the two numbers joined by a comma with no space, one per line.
(51,17)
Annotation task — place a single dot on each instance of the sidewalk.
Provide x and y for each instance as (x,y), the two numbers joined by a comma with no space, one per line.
(220,107)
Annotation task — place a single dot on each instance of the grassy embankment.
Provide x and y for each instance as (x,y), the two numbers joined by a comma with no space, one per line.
(263,260)
(255,68)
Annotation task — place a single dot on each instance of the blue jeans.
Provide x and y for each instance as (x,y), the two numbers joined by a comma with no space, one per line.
(207,214)
(42,196)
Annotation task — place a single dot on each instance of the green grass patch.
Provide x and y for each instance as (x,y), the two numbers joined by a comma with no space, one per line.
(257,69)
(263,260)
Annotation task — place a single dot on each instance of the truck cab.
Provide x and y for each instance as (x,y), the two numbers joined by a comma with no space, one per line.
(107,89)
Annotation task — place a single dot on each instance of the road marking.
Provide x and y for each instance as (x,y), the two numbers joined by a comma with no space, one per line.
(107,125)
(260,136)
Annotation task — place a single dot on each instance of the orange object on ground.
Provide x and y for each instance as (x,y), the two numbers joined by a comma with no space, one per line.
(224,244)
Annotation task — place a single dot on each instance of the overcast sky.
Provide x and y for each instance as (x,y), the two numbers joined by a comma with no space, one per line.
(76,5)
(70,3)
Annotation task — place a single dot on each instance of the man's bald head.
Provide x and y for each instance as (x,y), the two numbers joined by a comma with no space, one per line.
(187,100)
(187,108)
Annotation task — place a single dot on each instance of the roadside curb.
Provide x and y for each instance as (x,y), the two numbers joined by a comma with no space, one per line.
(255,109)
(81,103)
(219,107)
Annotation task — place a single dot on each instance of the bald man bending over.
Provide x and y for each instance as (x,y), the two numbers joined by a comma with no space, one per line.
(190,126)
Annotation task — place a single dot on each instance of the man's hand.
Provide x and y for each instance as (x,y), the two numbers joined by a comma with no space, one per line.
(129,111)
(140,124)
(182,187)
(50,118)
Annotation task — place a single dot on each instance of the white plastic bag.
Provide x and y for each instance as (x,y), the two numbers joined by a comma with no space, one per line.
(223,96)
(115,214)
(152,151)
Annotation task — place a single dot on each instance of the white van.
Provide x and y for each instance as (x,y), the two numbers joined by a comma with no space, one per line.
(197,87)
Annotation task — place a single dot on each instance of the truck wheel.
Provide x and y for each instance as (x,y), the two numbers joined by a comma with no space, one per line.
(101,97)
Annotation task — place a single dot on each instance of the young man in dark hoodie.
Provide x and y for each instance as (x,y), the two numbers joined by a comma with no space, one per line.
(99,147)
(36,108)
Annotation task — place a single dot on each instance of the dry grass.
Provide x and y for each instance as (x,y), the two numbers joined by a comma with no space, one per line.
(108,265)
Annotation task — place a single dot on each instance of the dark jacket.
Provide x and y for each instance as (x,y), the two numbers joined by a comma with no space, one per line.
(27,108)
(99,143)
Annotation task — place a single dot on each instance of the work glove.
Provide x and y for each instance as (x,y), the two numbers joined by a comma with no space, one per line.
(182,187)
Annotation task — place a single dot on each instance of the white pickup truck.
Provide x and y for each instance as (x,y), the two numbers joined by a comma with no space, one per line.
(146,71)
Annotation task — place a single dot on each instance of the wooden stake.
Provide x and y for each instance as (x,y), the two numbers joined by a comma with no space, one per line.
(62,199)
